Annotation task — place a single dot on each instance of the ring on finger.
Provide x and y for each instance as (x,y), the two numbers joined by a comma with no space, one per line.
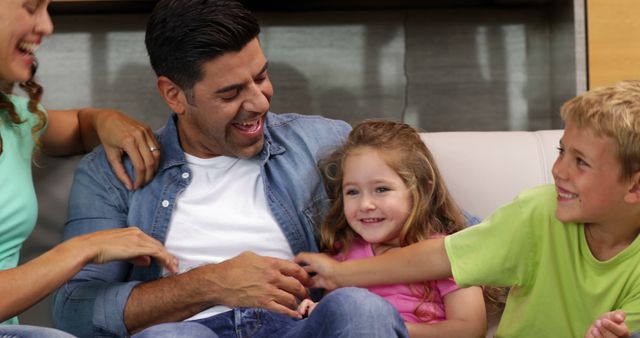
(152,149)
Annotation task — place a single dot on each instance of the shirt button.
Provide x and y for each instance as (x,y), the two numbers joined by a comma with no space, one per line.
(165,203)
(185,175)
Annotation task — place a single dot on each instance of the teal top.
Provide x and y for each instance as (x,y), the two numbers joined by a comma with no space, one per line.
(18,204)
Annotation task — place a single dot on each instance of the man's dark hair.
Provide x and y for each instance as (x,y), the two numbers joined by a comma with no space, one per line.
(184,34)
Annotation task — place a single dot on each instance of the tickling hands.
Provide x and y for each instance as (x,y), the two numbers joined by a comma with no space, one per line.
(126,244)
(322,266)
(609,325)
(119,134)
(249,280)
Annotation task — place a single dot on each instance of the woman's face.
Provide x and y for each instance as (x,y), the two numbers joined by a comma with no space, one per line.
(23,24)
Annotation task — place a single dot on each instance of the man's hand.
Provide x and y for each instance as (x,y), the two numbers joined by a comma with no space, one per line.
(249,280)
(609,325)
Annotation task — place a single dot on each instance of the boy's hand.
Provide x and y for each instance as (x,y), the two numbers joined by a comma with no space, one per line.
(609,325)
(321,267)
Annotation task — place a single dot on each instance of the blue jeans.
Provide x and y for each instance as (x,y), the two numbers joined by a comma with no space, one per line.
(27,331)
(346,312)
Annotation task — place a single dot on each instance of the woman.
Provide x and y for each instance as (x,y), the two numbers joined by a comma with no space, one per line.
(25,126)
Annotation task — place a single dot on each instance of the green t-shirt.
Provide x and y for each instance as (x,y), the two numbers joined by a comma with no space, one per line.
(18,204)
(558,288)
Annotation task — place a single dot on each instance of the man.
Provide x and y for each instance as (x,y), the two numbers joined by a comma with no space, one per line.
(236,196)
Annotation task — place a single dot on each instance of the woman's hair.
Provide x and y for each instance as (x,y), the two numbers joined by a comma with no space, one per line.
(433,210)
(34,91)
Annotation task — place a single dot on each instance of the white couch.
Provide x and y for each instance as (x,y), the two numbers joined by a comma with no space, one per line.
(485,170)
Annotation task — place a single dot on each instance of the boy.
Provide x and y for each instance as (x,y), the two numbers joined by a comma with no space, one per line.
(567,251)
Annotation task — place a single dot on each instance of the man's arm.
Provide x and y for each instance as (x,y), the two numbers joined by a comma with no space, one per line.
(247,280)
(102,299)
(94,298)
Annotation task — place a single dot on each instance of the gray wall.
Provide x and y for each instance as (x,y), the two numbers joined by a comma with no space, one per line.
(438,69)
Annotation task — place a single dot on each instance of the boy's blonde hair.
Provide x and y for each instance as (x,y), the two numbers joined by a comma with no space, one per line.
(612,111)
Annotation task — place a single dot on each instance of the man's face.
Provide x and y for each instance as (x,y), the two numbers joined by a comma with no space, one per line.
(226,112)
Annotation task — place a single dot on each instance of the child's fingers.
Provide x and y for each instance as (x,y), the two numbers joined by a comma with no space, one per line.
(594,333)
(305,307)
(617,316)
(617,330)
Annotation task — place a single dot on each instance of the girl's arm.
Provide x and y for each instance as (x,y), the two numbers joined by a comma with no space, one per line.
(466,317)
(27,284)
(77,131)
(425,260)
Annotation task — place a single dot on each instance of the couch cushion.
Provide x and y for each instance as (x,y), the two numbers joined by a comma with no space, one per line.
(484,170)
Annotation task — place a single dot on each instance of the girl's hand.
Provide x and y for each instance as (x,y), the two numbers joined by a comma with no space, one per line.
(126,244)
(322,266)
(306,307)
(609,325)
(121,134)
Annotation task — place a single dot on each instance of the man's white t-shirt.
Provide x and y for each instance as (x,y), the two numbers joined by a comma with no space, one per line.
(222,213)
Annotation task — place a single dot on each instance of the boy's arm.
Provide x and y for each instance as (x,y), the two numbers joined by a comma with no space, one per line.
(426,260)
(466,317)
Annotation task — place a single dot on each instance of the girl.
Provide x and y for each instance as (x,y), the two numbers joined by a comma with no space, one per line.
(24,126)
(386,193)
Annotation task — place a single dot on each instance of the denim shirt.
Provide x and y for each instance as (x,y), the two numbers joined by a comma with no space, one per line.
(92,303)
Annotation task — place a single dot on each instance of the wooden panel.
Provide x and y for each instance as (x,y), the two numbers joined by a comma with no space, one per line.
(613,39)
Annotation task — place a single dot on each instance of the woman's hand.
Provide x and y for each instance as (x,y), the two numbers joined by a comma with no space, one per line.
(76,131)
(321,267)
(121,134)
(126,244)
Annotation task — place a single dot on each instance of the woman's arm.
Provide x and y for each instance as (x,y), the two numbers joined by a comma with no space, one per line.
(27,284)
(466,317)
(77,131)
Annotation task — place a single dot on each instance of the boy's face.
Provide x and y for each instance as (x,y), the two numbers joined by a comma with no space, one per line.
(587,179)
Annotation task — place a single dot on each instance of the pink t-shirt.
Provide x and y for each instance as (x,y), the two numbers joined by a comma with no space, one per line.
(406,297)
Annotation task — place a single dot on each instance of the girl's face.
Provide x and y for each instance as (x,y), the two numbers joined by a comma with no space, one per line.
(376,200)
(23,24)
